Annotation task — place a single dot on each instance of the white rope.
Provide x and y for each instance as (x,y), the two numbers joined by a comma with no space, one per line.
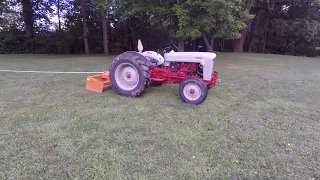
(49,72)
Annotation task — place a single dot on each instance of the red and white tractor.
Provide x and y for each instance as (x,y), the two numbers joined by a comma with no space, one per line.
(132,73)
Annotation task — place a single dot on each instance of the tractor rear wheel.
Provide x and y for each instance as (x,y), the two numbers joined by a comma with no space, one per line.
(129,74)
(193,91)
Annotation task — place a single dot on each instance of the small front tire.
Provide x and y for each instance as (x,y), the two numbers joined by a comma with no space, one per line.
(193,91)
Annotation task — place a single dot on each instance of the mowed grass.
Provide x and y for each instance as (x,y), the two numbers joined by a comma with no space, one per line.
(262,121)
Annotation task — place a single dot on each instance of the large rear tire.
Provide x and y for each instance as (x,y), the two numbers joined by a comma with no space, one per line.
(129,74)
(193,91)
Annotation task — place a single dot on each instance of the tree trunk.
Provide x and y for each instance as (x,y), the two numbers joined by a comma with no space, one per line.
(194,43)
(59,15)
(84,26)
(108,27)
(28,17)
(181,44)
(266,33)
(255,25)
(209,45)
(105,32)
(238,47)
(222,45)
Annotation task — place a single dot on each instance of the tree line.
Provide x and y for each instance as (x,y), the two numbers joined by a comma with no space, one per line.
(113,26)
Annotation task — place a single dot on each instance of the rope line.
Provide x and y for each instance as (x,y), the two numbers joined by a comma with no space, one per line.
(49,72)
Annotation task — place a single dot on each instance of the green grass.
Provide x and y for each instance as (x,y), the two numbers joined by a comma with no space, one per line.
(261,121)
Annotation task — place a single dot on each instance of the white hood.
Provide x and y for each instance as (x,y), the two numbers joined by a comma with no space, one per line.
(189,56)
(206,59)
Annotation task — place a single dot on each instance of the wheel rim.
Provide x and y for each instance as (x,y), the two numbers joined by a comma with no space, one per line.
(127,76)
(192,91)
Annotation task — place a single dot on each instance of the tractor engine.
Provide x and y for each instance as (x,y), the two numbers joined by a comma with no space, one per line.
(184,69)
(180,65)
(175,72)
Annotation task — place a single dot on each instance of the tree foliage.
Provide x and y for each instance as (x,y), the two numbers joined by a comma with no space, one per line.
(218,18)
(56,26)
(288,27)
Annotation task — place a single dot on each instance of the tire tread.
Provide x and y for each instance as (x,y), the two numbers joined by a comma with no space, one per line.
(135,58)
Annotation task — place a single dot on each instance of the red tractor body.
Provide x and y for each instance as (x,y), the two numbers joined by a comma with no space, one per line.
(176,74)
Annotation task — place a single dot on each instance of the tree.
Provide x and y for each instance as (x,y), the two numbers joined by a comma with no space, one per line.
(239,41)
(140,19)
(192,19)
(210,19)
(114,26)
(28,17)
(8,15)
(84,26)
(59,10)
(263,10)
(103,6)
(285,27)
(59,13)
(3,10)
(161,14)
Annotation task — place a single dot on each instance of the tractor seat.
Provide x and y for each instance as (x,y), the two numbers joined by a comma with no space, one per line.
(153,61)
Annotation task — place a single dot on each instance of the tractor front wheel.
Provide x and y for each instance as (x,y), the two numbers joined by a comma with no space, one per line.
(193,91)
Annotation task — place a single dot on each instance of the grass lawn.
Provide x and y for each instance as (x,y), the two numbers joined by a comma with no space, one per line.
(261,121)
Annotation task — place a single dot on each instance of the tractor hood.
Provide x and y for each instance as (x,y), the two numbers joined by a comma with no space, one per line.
(204,58)
(189,56)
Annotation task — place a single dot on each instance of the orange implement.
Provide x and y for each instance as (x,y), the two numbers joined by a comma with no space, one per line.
(98,83)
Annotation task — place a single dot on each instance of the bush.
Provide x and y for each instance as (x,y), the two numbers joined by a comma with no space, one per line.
(14,42)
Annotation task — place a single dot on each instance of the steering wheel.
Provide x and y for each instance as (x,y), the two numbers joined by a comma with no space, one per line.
(168,49)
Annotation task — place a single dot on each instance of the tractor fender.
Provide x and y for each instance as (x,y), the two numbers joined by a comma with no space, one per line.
(130,54)
(154,55)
